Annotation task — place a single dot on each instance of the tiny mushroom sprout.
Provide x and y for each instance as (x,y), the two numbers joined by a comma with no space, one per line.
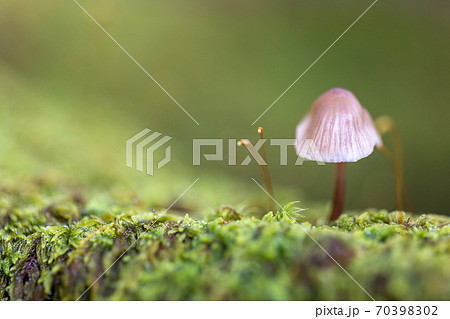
(342,131)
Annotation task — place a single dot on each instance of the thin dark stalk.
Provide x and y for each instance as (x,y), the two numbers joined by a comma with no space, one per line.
(386,124)
(264,168)
(398,173)
(339,192)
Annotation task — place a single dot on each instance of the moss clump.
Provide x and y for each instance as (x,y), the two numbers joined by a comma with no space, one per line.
(54,247)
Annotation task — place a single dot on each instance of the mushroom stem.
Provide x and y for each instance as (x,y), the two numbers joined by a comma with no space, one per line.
(339,192)
(398,173)
(385,124)
(264,168)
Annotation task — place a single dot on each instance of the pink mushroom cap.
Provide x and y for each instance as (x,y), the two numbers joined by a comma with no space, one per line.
(340,128)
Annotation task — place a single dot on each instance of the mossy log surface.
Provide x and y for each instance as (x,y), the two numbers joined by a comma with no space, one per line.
(55,251)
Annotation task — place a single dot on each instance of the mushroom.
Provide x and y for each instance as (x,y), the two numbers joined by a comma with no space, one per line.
(342,131)
(263,167)
(386,125)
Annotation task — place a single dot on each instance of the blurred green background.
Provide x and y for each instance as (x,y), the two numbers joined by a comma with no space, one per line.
(70,98)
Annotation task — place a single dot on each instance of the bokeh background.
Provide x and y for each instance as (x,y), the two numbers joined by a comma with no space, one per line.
(70,98)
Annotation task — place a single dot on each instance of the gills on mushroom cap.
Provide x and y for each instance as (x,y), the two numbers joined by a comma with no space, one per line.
(341,129)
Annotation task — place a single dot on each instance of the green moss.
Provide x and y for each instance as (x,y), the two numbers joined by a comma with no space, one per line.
(54,246)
